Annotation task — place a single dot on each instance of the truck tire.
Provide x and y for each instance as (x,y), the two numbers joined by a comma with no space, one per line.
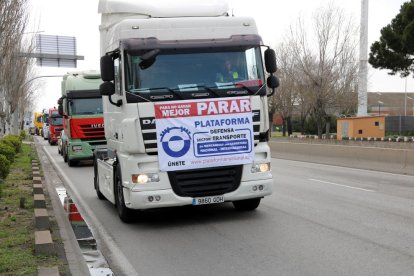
(246,204)
(72,163)
(125,214)
(64,154)
(96,180)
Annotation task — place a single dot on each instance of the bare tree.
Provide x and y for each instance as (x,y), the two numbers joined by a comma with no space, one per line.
(14,67)
(284,100)
(327,65)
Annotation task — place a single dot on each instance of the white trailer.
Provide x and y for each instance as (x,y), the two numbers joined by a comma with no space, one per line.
(182,127)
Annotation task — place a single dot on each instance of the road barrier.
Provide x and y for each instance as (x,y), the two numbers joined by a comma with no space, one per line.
(391,160)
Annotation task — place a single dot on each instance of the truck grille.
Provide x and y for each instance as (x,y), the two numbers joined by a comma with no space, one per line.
(206,182)
(94,133)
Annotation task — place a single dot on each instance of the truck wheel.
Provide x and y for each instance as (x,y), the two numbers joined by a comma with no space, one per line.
(125,214)
(96,180)
(64,154)
(50,141)
(72,163)
(246,204)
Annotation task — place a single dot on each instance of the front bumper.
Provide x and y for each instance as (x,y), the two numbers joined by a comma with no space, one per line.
(86,152)
(167,198)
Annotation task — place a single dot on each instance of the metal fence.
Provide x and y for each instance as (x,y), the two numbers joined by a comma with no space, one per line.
(399,124)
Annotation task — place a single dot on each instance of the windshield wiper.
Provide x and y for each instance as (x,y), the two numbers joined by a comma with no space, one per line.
(172,90)
(156,97)
(209,89)
(85,113)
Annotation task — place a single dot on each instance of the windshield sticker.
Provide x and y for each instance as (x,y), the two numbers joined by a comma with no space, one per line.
(204,133)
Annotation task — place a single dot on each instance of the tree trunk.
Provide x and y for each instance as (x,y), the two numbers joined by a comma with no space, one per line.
(289,125)
(283,126)
(328,128)
(270,124)
(15,123)
(319,124)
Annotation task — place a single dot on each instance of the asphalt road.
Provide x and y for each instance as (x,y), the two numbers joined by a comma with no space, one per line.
(320,220)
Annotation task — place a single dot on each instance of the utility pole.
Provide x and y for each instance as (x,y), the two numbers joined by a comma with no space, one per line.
(405,97)
(363,61)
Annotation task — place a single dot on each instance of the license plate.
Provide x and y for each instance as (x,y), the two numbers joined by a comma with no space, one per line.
(208,200)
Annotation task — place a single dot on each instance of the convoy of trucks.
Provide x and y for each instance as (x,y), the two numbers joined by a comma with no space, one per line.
(177,132)
(81,109)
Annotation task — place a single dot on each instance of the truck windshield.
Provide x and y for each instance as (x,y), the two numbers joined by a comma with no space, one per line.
(85,106)
(56,121)
(187,72)
(45,118)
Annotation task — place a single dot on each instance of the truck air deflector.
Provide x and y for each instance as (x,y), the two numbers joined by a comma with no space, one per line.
(82,94)
(137,45)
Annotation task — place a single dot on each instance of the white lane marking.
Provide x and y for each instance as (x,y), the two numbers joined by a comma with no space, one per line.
(341,185)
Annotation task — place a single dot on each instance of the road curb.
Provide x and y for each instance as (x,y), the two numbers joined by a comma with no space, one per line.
(43,238)
(67,246)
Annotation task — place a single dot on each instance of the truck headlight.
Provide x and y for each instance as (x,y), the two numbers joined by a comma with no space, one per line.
(77,148)
(145,178)
(262,167)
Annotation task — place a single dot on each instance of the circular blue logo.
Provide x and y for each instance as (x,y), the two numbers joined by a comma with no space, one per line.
(176,141)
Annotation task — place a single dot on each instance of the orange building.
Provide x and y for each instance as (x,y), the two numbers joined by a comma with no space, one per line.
(369,126)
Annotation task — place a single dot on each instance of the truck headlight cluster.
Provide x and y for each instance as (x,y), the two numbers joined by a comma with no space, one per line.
(263,167)
(77,148)
(145,178)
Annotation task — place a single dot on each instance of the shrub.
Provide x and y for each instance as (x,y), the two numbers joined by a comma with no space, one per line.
(4,166)
(14,141)
(23,134)
(8,151)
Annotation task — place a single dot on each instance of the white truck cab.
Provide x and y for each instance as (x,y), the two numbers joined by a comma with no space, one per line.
(185,106)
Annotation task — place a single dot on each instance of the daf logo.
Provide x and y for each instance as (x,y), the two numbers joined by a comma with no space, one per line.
(148,121)
(97,125)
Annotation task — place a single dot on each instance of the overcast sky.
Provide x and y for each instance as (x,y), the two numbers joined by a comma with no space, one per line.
(80,18)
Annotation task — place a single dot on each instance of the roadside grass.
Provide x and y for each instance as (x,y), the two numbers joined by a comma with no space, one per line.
(17,220)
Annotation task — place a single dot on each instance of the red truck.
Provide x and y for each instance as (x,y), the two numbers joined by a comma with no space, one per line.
(55,125)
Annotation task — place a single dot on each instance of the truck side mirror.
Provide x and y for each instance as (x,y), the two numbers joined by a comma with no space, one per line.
(273,83)
(60,106)
(107,68)
(270,61)
(107,88)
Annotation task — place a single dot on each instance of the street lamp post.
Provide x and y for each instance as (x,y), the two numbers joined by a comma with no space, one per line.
(405,98)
